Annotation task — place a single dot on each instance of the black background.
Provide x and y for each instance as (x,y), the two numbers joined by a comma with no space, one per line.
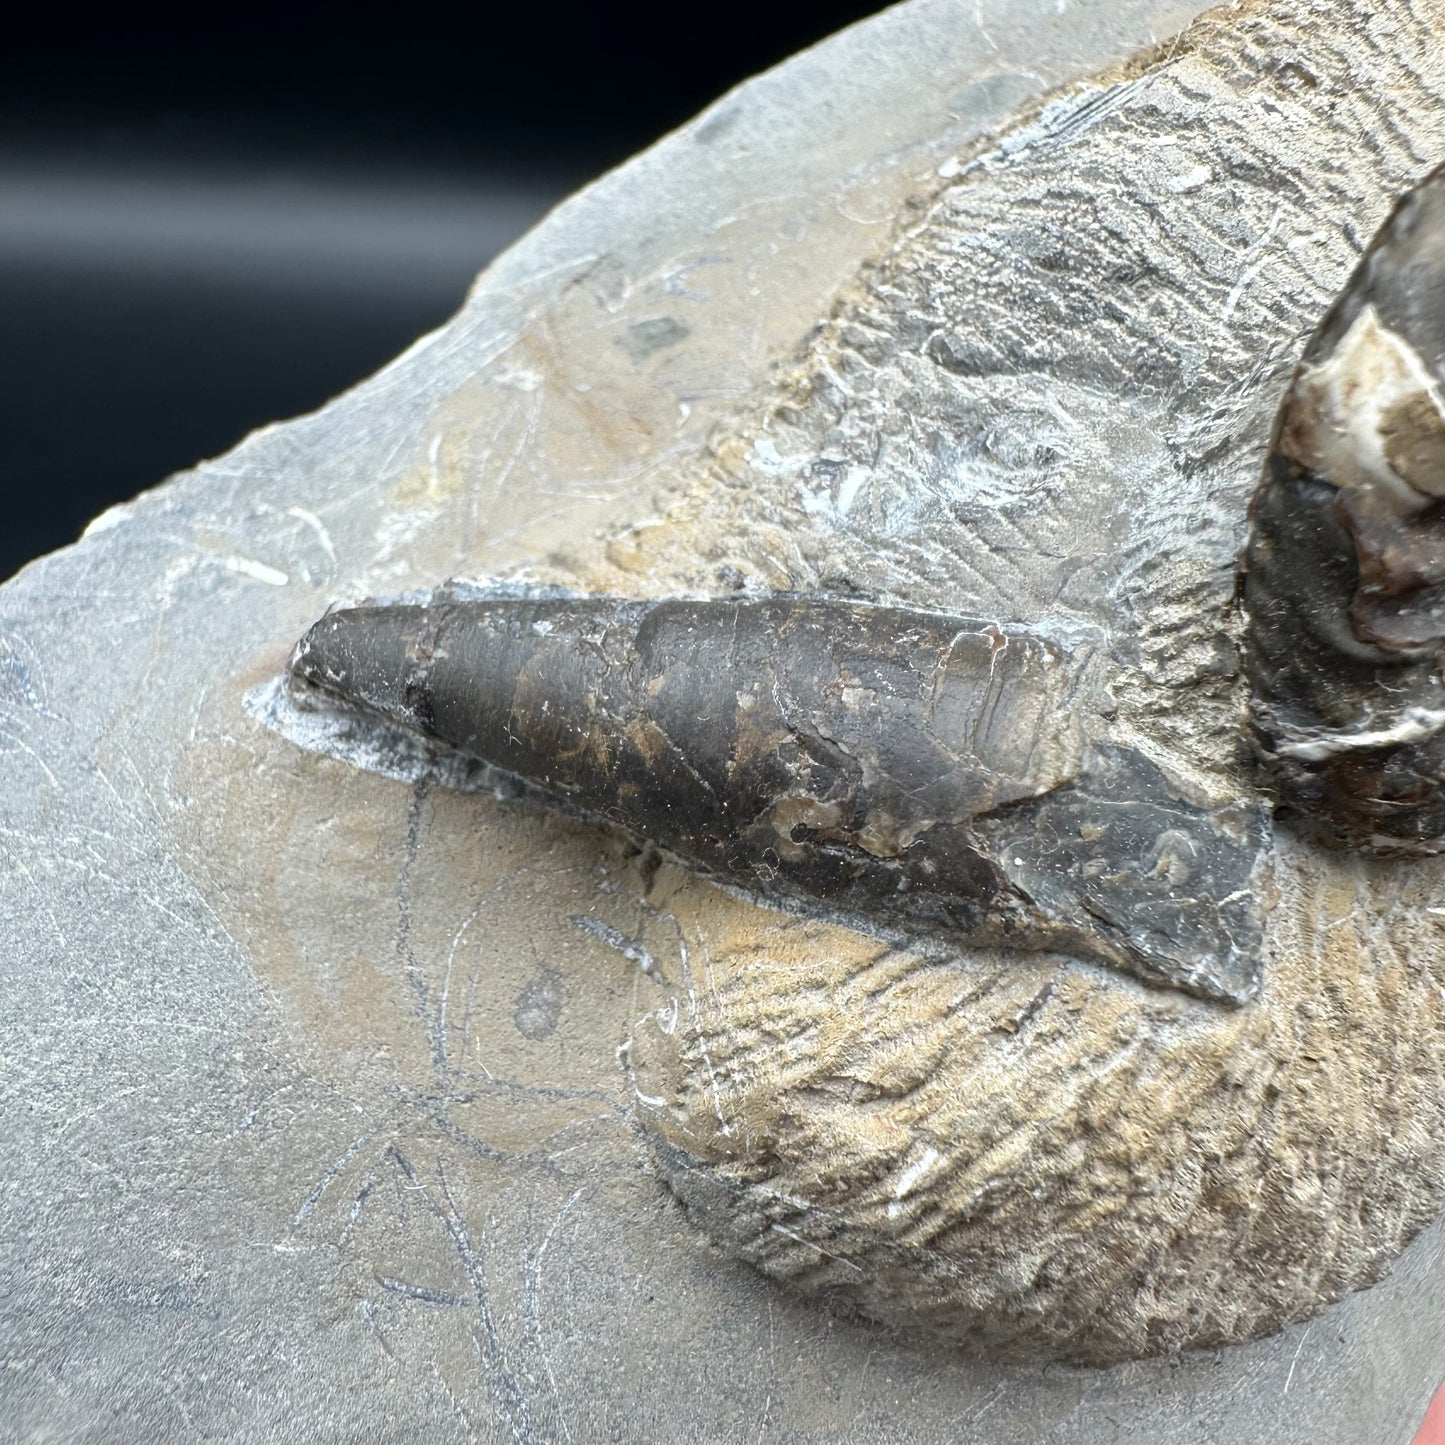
(214,217)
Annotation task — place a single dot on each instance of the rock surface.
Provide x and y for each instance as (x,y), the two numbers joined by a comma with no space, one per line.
(316,1124)
(1051,401)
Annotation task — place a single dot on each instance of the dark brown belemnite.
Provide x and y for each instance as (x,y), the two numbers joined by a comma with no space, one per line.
(911,769)
(1344,581)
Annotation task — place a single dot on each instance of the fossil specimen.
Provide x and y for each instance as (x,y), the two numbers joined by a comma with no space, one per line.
(938,771)
(1043,411)
(1346,568)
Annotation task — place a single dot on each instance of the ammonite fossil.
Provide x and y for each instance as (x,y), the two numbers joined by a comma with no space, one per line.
(944,654)
(1346,569)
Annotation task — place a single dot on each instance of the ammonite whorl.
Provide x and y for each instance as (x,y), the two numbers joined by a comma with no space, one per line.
(1345,572)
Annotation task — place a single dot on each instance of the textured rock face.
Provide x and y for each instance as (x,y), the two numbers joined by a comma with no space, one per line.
(1053,398)
(1031,409)
(313,1089)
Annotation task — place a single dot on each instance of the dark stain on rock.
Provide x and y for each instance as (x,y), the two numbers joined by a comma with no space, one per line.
(657,333)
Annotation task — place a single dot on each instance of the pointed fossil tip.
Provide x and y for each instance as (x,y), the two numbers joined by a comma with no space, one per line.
(364,656)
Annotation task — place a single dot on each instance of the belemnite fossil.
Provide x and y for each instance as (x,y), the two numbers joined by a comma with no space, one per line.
(943,1111)
(890,765)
